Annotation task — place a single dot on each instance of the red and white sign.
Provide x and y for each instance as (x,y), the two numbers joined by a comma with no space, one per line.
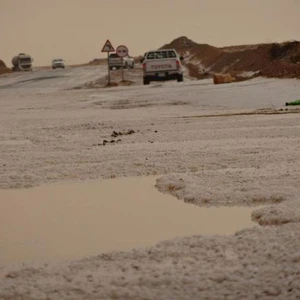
(108,47)
(122,51)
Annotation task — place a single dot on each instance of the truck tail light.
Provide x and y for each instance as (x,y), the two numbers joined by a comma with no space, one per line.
(178,64)
(144,66)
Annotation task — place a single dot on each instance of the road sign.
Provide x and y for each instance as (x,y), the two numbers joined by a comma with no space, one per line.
(122,51)
(108,47)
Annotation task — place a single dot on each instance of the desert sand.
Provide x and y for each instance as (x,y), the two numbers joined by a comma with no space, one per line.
(227,145)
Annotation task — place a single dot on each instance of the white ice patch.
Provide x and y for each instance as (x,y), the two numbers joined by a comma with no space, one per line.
(221,187)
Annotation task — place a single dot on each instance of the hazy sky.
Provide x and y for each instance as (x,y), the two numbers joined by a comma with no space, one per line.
(77,29)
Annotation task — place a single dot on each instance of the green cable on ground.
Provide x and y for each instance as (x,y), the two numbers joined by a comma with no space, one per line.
(296,102)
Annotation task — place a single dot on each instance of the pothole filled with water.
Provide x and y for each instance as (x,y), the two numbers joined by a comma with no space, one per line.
(72,221)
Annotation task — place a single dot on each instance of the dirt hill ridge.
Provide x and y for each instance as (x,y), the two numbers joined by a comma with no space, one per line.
(271,60)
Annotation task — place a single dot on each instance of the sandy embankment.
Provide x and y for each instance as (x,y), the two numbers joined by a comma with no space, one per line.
(49,136)
(3,68)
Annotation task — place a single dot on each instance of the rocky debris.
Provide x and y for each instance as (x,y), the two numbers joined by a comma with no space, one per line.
(114,135)
(128,132)
(282,69)
(108,142)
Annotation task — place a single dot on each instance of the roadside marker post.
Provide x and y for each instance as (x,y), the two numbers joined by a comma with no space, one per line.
(122,51)
(108,48)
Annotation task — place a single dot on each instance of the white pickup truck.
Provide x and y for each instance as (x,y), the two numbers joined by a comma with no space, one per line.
(161,65)
(114,61)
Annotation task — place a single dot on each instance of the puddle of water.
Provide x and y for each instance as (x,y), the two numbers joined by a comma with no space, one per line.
(72,221)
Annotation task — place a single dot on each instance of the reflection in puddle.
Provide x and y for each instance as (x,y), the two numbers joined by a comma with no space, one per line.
(52,223)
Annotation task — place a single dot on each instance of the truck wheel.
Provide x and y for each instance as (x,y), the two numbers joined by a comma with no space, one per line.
(110,68)
(180,78)
(132,66)
(146,81)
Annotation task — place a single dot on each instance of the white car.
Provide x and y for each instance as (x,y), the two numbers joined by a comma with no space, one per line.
(128,62)
(58,63)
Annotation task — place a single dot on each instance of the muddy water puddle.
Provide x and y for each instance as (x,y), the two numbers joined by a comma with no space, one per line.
(72,221)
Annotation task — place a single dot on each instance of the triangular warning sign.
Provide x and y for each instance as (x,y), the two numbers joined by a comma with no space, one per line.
(108,47)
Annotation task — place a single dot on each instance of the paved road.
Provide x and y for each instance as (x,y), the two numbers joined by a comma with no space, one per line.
(52,79)
(253,94)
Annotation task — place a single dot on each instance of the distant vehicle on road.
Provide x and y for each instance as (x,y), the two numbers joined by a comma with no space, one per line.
(114,61)
(161,65)
(58,63)
(22,62)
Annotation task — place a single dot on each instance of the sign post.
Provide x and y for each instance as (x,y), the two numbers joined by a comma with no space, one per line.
(122,68)
(122,51)
(108,48)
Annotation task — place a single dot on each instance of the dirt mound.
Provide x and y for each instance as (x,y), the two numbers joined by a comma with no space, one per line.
(126,82)
(111,84)
(271,60)
(97,61)
(196,56)
(3,68)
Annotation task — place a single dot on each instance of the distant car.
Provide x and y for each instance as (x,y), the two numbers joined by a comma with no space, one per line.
(128,62)
(58,63)
(117,62)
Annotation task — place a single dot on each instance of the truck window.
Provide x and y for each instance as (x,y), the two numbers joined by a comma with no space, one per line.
(150,55)
(161,54)
(157,55)
(25,59)
(171,54)
(164,54)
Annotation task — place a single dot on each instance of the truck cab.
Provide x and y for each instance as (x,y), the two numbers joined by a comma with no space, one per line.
(22,62)
(161,65)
